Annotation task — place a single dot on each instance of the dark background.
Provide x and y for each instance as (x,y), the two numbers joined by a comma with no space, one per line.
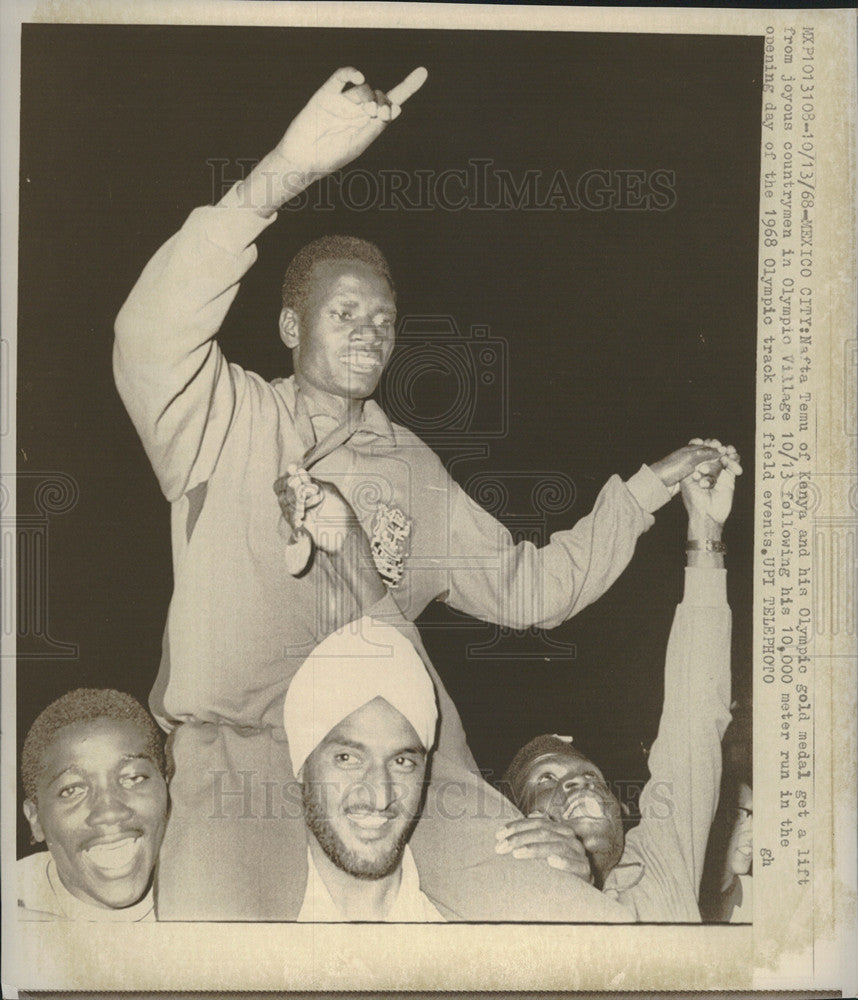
(626,333)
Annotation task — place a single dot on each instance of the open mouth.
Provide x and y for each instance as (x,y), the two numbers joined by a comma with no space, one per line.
(370,827)
(584,805)
(363,361)
(369,821)
(116,855)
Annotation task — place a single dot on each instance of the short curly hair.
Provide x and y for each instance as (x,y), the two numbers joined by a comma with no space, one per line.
(296,280)
(515,777)
(85,705)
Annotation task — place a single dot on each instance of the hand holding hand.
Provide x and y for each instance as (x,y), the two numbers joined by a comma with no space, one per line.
(713,501)
(697,456)
(537,836)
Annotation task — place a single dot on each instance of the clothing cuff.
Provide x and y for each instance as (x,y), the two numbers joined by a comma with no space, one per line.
(705,586)
(233,227)
(649,491)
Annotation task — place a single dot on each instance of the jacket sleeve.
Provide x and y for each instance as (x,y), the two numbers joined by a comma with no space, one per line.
(522,585)
(678,803)
(171,375)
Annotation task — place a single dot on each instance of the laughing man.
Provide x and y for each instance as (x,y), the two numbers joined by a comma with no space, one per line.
(93,770)
(573,820)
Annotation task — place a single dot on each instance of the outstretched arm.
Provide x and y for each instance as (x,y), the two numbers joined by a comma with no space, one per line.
(521,585)
(339,122)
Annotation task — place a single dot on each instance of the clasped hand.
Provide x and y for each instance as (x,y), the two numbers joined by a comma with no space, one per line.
(317,507)
(537,836)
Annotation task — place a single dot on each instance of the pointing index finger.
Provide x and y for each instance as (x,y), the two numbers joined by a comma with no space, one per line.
(409,86)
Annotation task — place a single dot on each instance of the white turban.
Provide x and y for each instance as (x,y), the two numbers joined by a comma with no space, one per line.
(365,659)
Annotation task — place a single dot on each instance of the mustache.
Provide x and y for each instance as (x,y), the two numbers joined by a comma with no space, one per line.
(391,812)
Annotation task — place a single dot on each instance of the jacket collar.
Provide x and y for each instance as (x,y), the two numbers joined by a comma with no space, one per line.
(314,426)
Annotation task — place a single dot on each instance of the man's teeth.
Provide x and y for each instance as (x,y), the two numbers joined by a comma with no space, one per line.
(585,806)
(368,821)
(361,359)
(114,855)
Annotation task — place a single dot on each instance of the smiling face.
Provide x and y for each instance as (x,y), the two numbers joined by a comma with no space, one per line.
(343,337)
(568,788)
(101,807)
(362,788)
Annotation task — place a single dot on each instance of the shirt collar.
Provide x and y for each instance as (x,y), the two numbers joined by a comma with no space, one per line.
(376,421)
(410,904)
(78,909)
(373,421)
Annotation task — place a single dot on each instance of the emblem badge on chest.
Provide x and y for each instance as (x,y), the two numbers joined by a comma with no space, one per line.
(389,542)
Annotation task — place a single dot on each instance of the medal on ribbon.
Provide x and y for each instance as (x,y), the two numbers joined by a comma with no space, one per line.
(302,494)
(389,542)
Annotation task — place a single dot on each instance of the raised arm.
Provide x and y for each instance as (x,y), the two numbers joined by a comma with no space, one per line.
(179,391)
(339,122)
(658,871)
(523,585)
(678,803)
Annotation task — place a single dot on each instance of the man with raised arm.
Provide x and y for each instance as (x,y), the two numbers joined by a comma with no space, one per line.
(572,818)
(247,607)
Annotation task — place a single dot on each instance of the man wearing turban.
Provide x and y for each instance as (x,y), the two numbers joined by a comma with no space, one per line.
(361,715)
